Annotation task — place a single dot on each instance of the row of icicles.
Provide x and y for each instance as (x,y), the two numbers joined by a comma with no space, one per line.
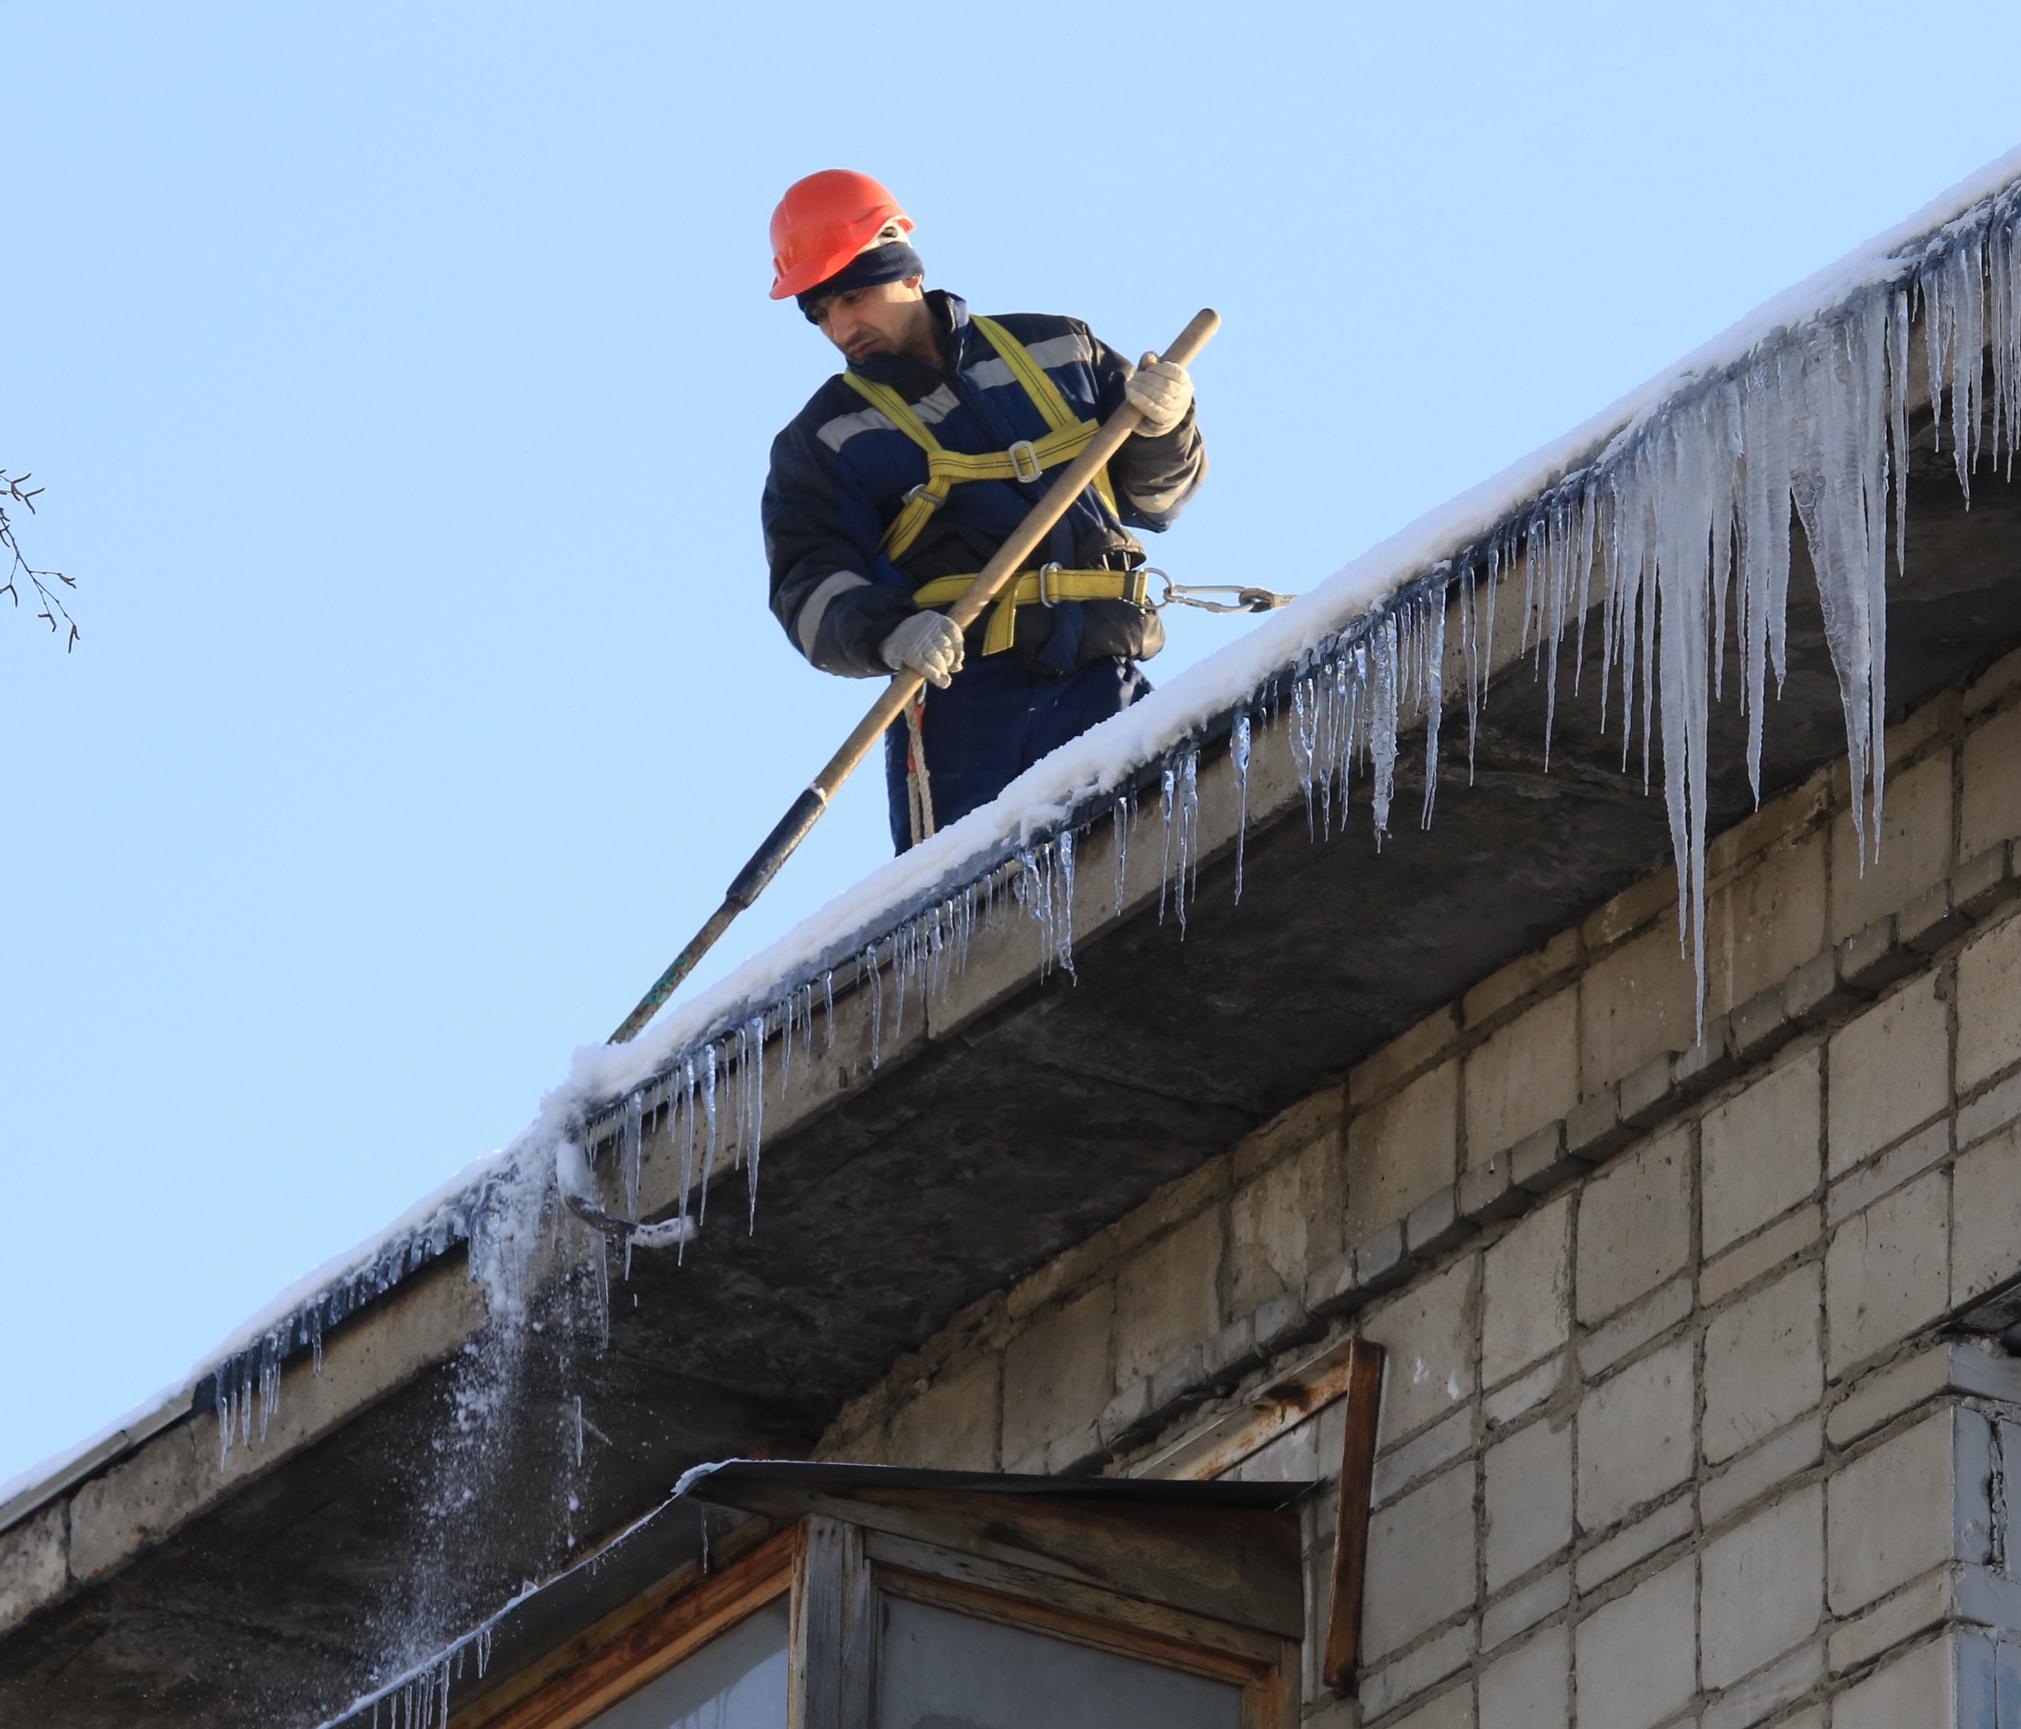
(1685,517)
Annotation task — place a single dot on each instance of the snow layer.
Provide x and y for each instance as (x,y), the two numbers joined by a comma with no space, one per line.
(1674,490)
(1113,752)
(296,1316)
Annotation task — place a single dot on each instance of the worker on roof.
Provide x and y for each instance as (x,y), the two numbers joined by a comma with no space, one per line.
(904,473)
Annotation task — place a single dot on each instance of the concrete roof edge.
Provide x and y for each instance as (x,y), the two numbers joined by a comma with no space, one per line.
(1518,496)
(135,1431)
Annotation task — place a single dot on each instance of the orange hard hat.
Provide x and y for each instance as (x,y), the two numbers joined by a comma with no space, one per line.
(823,222)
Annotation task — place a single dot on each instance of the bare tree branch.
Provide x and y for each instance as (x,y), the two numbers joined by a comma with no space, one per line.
(15,490)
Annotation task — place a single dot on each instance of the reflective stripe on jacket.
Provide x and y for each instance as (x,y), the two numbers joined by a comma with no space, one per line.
(841,470)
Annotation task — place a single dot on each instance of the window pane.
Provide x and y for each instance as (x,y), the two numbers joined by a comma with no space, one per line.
(736,1681)
(940,1670)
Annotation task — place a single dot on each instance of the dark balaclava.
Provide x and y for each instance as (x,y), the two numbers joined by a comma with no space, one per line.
(892,262)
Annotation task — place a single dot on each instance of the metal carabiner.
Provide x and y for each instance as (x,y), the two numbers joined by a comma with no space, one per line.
(1246,599)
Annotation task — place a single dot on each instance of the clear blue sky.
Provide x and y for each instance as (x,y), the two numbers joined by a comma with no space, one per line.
(402,377)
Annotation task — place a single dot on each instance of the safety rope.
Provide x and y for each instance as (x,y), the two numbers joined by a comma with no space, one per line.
(918,789)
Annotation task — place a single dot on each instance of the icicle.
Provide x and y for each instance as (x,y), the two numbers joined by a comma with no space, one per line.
(1343,713)
(1033,893)
(1470,649)
(631,1152)
(1119,818)
(868,968)
(1682,554)
(1383,721)
(1551,529)
(1898,414)
(1063,922)
(789,1017)
(1531,536)
(713,1135)
(1434,605)
(1304,737)
(1968,341)
(686,1131)
(741,1095)
(1238,749)
(1491,599)
(1582,556)
(1830,485)
(1188,826)
(756,1128)
(1764,544)
(1166,785)
(902,944)
(1356,746)
(1329,698)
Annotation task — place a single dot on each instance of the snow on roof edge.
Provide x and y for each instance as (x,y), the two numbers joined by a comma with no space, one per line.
(1102,757)
(429,1217)
(1097,761)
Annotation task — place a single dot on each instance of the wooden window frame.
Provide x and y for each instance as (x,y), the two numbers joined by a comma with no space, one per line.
(835,1570)
(613,1658)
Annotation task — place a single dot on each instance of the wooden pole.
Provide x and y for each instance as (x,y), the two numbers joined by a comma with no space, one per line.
(1350,1537)
(891,704)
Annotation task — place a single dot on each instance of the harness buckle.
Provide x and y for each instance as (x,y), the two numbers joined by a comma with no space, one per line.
(1046,574)
(933,500)
(1025,462)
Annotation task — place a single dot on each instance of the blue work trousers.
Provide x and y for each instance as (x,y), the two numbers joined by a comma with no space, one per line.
(993,722)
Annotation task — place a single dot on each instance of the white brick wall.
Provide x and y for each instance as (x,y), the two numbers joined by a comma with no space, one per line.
(1764,1363)
(1637,1656)
(1761,1151)
(1889,1072)
(1528,1293)
(1670,1435)
(1891,1514)
(1635,1436)
(1634,1225)
(1762,1587)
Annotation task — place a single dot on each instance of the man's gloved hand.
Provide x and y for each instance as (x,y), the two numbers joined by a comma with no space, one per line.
(1161,389)
(926,643)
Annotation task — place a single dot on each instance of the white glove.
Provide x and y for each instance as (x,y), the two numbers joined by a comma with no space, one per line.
(1161,389)
(926,643)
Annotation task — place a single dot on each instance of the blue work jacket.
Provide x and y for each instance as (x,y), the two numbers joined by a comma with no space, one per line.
(840,472)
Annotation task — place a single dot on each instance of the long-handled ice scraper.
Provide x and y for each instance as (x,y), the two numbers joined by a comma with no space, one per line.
(897,696)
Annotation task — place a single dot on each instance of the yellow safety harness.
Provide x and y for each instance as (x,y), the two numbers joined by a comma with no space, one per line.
(1066,437)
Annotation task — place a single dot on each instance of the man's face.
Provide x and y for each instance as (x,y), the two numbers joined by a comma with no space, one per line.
(891,318)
